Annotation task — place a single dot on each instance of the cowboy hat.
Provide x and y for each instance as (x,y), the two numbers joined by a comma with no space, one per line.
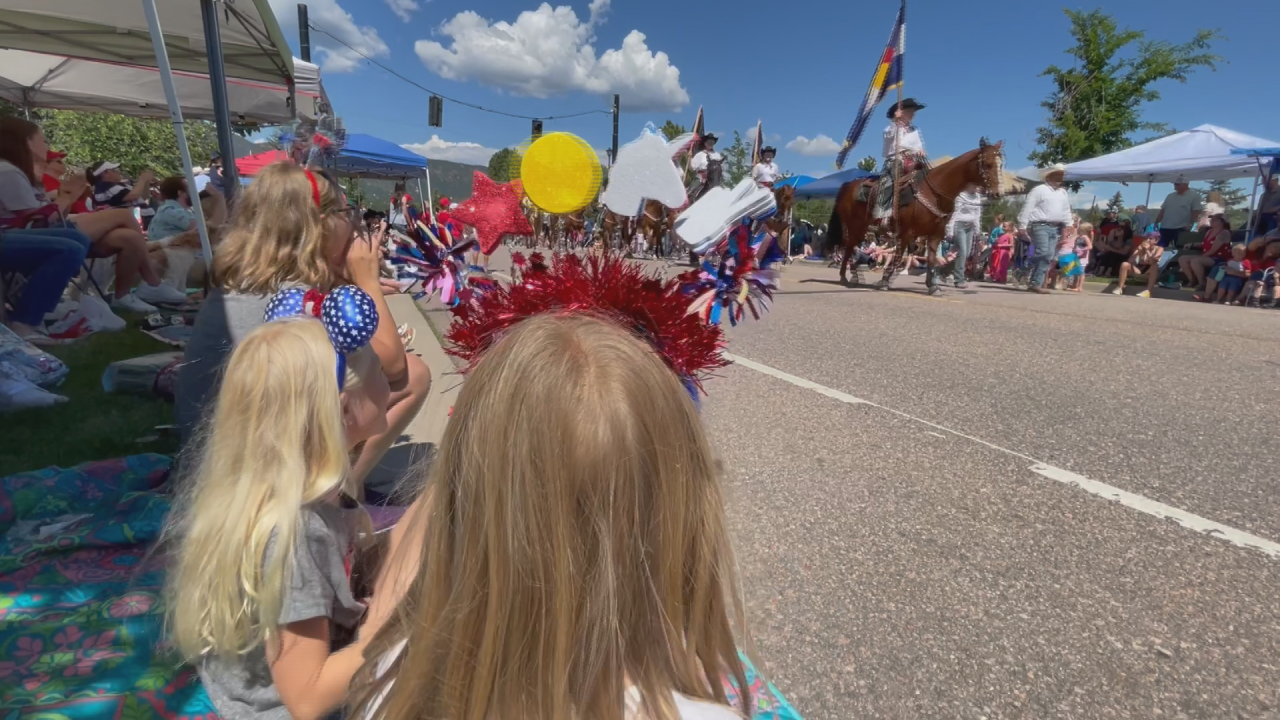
(768,149)
(906,104)
(1054,168)
(708,136)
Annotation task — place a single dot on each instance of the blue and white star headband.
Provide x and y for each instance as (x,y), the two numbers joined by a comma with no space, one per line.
(348,314)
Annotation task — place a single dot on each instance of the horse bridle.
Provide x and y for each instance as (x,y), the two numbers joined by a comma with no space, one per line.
(983,173)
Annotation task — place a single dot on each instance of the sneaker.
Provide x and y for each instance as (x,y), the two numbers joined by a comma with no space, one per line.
(131,303)
(1112,289)
(1144,294)
(161,294)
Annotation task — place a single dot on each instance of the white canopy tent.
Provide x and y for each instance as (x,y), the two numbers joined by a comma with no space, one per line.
(253,48)
(31,80)
(1203,153)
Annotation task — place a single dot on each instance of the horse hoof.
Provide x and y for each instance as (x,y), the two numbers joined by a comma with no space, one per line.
(934,290)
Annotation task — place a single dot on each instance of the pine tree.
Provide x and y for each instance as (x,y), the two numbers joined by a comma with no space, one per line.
(737,161)
(1116,203)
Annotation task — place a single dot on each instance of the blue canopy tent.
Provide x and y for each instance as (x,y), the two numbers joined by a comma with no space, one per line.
(795,181)
(365,156)
(829,186)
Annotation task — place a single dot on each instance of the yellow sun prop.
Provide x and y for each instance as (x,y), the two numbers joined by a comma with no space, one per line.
(560,172)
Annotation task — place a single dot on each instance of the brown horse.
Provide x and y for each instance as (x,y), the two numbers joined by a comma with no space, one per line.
(925,217)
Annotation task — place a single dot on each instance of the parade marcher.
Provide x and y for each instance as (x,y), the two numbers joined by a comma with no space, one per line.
(1044,216)
(903,153)
(709,166)
(766,172)
(962,228)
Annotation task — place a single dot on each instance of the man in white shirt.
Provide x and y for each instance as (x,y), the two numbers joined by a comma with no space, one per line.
(903,151)
(765,172)
(962,227)
(1045,214)
(1179,209)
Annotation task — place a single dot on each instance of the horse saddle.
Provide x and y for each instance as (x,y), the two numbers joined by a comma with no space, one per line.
(907,185)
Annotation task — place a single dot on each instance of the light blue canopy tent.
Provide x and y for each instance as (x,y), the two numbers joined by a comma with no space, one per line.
(829,186)
(795,181)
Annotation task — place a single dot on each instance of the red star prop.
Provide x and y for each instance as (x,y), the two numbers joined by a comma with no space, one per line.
(493,210)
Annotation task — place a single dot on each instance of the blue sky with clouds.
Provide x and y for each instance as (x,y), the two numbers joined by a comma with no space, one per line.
(801,67)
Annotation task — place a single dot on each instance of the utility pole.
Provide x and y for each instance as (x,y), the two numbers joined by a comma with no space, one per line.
(218,88)
(613,156)
(304,33)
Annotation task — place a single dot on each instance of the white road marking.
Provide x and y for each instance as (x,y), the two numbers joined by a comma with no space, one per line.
(502,275)
(1130,500)
(940,435)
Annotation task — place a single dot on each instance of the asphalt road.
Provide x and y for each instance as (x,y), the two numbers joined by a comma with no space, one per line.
(903,560)
(923,495)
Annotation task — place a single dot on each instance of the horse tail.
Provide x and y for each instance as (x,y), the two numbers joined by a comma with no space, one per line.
(835,236)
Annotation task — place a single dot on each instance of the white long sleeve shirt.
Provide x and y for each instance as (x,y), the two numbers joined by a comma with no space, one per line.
(968,210)
(765,172)
(1046,204)
(699,162)
(908,139)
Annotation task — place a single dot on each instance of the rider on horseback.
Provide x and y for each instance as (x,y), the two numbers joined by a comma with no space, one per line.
(903,153)
(766,172)
(709,167)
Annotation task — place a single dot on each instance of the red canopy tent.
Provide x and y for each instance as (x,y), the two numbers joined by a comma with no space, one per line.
(253,164)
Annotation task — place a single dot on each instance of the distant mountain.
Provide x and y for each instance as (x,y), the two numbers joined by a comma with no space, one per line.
(448,179)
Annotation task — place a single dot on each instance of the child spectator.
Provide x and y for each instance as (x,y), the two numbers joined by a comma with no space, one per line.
(293,227)
(1002,254)
(1236,271)
(1084,248)
(265,535)
(1263,257)
(1145,260)
(572,559)
(174,215)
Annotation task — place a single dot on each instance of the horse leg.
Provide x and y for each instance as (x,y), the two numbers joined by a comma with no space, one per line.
(844,261)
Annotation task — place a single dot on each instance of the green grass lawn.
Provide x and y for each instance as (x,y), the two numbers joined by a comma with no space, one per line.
(92,425)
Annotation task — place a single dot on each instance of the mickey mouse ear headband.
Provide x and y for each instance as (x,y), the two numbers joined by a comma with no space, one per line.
(348,314)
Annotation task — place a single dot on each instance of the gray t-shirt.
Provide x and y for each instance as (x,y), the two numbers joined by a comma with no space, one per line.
(16,191)
(318,585)
(224,320)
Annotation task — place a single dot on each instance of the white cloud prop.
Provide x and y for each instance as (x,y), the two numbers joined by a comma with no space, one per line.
(549,52)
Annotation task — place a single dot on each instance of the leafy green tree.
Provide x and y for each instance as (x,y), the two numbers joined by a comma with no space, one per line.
(868,164)
(671,130)
(737,160)
(503,164)
(136,143)
(1232,196)
(1006,207)
(1116,203)
(1096,105)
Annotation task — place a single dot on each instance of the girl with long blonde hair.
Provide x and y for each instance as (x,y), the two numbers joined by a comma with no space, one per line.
(571,558)
(293,227)
(264,534)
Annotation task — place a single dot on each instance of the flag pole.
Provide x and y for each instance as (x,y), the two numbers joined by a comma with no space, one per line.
(902,77)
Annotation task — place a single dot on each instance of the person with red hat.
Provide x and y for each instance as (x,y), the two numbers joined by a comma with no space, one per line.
(55,168)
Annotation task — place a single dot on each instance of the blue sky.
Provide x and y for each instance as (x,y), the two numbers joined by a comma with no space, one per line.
(802,68)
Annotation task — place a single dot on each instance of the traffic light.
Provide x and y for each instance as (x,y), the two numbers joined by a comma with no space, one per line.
(537,128)
(435,111)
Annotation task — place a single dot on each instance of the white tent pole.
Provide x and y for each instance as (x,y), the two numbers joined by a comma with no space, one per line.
(431,206)
(1148,202)
(1253,204)
(175,113)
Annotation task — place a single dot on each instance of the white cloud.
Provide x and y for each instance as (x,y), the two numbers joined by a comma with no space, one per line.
(403,9)
(468,153)
(819,146)
(328,14)
(548,52)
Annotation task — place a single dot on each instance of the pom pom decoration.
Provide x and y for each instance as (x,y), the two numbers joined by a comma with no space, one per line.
(743,282)
(308,144)
(560,172)
(439,261)
(652,307)
(349,316)
(494,211)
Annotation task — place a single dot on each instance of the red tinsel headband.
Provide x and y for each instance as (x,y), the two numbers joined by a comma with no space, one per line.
(315,188)
(651,307)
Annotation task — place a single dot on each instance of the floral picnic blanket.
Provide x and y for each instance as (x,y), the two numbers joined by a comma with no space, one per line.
(80,614)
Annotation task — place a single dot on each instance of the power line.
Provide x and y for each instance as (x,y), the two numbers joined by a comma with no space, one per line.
(414,83)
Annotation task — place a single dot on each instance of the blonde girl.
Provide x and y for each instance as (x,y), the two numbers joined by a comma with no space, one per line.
(292,227)
(572,559)
(1084,248)
(265,531)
